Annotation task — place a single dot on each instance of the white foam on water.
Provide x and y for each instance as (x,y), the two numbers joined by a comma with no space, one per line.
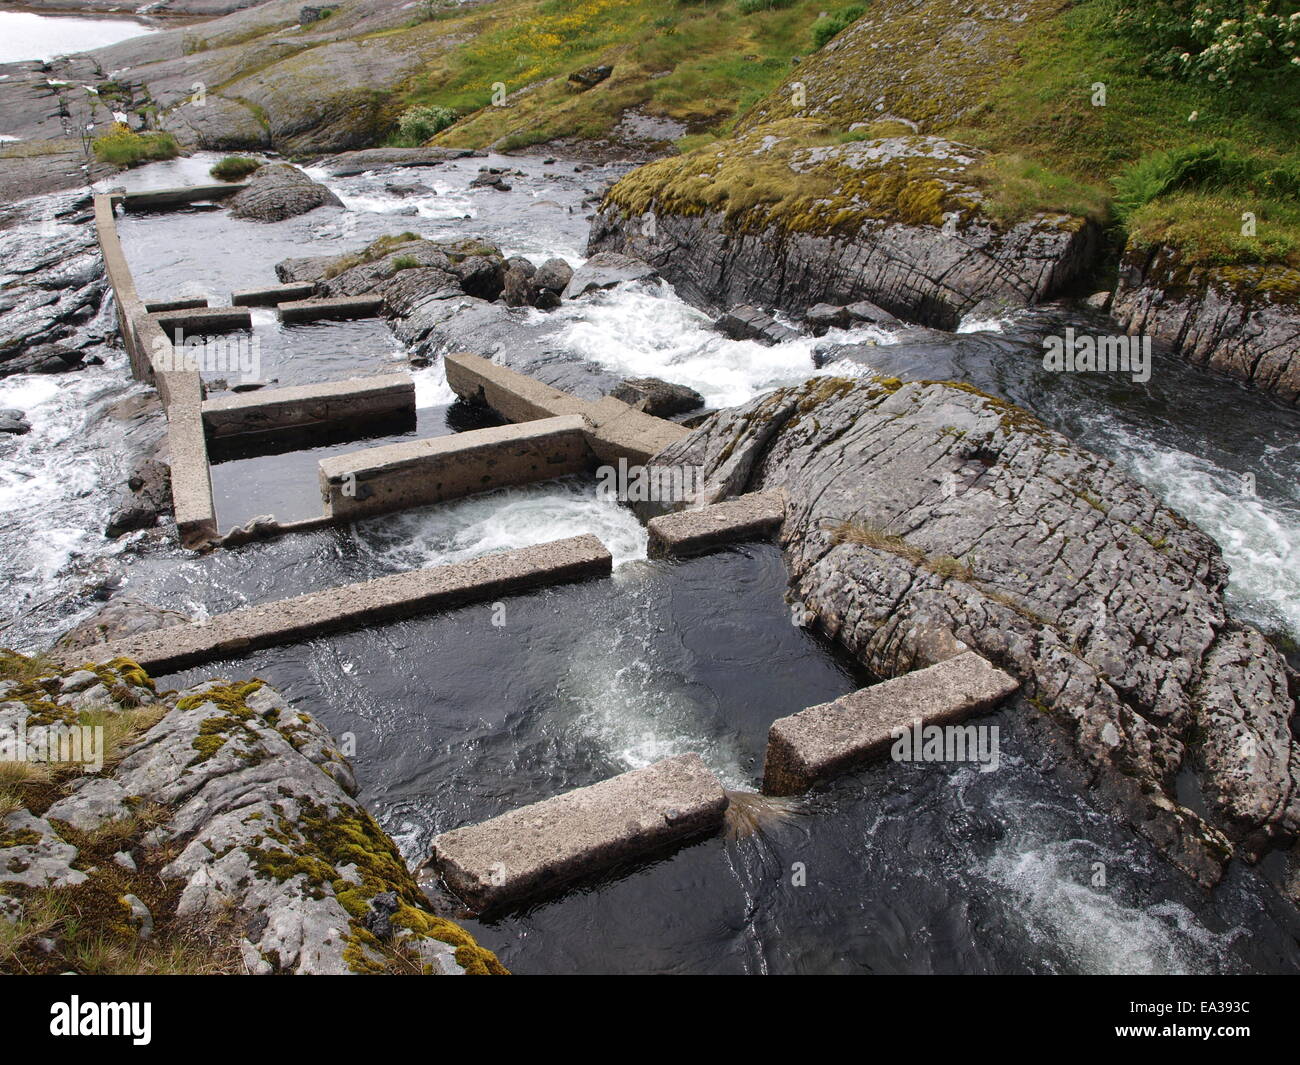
(1097,930)
(617,693)
(645,330)
(431,388)
(502,521)
(1260,536)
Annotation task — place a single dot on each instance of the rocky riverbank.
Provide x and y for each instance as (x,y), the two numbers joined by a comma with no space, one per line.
(776,219)
(926,518)
(220,835)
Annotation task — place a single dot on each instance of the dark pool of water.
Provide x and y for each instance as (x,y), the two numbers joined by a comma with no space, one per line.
(898,868)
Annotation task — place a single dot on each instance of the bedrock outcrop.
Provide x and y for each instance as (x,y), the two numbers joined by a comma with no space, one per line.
(221,834)
(50,289)
(1240,320)
(777,217)
(925,518)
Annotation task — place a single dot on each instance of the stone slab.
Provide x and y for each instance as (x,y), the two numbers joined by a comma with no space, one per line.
(420,472)
(204,320)
(177,647)
(293,292)
(156,306)
(617,430)
(824,741)
(154,199)
(754,516)
(328,404)
(536,849)
(333,307)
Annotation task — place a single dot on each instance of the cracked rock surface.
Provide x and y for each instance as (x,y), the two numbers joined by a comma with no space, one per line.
(922,514)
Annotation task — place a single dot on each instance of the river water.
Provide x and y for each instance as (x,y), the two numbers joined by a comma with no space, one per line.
(27,35)
(470,713)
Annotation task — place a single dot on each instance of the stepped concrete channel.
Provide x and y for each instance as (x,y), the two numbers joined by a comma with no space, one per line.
(541,848)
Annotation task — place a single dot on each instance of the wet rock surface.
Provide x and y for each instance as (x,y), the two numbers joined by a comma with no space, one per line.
(277,191)
(143,500)
(920,514)
(120,618)
(52,288)
(1241,320)
(896,221)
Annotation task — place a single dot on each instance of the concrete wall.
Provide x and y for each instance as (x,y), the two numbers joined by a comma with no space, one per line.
(616,430)
(400,595)
(426,471)
(754,516)
(155,199)
(332,404)
(181,391)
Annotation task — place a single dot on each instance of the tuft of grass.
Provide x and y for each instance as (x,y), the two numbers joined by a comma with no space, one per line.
(1219,167)
(826,27)
(234,167)
(1018,188)
(124,147)
(750,7)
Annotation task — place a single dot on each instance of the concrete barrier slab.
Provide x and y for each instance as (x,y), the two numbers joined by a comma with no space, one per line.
(399,595)
(269,297)
(755,516)
(156,199)
(420,472)
(333,307)
(155,306)
(536,849)
(617,430)
(200,320)
(826,740)
(330,404)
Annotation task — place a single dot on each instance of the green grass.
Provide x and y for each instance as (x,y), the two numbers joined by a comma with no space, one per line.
(1176,159)
(234,167)
(123,147)
(824,29)
(700,64)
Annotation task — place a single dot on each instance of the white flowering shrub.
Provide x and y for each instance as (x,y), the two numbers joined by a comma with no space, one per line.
(1224,41)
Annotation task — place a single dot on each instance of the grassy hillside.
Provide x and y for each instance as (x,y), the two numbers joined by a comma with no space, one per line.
(696,64)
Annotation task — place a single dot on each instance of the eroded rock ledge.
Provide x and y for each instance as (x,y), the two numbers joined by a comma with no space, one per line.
(221,836)
(1240,320)
(783,216)
(925,516)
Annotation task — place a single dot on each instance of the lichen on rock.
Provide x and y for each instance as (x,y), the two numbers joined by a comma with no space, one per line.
(222,835)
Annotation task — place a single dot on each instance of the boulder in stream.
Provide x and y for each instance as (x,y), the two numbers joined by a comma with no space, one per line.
(277,191)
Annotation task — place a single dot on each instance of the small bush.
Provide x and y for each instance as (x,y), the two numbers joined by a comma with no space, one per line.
(418,124)
(405,262)
(234,167)
(827,27)
(124,147)
(1220,40)
(749,7)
